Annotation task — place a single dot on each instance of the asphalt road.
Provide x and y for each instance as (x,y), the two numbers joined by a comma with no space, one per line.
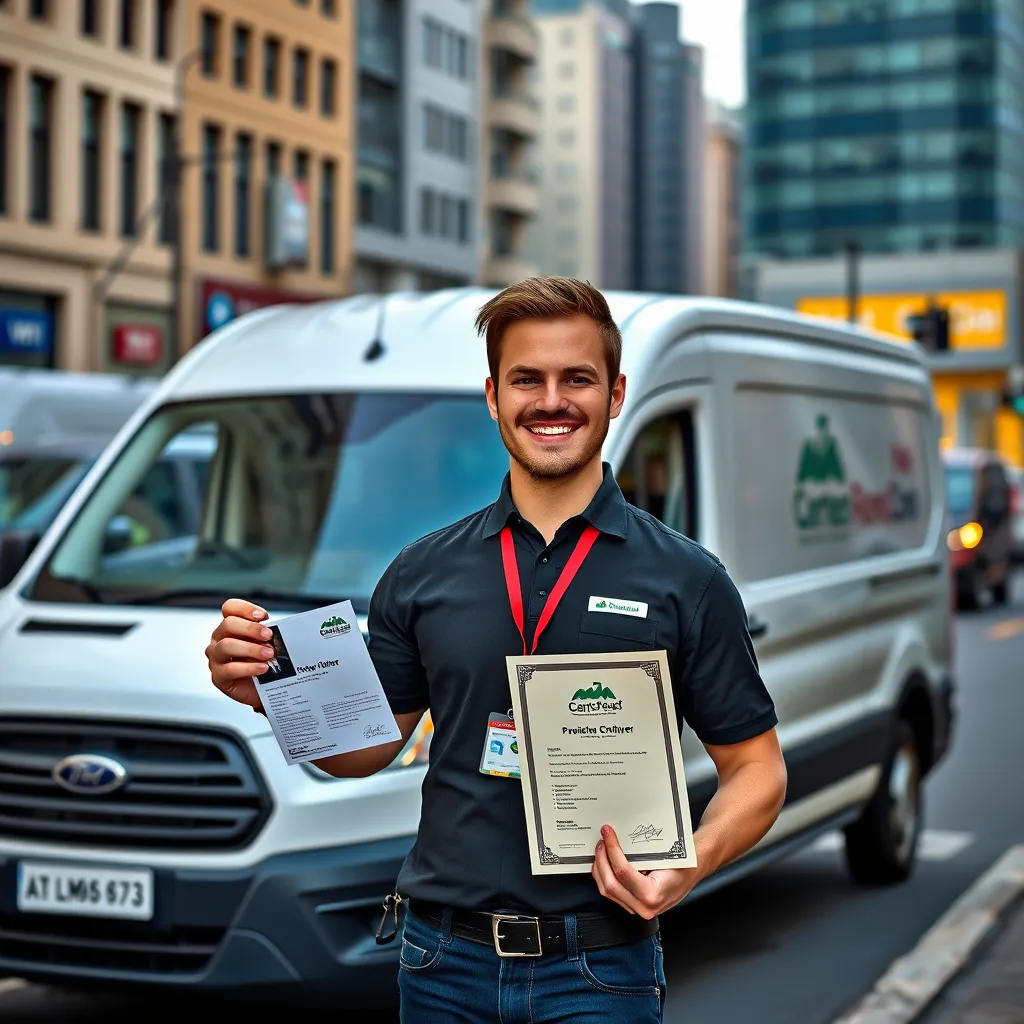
(798,944)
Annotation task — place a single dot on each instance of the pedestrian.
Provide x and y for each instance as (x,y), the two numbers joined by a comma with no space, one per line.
(440,629)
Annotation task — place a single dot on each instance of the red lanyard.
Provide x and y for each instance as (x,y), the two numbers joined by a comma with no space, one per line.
(515,591)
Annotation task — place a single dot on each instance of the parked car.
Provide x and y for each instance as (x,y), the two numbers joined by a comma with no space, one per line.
(979,525)
(1016,477)
(805,454)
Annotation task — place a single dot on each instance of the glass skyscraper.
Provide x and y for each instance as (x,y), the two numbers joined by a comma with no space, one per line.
(898,124)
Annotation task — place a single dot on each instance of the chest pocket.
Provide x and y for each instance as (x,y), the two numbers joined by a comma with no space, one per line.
(603,632)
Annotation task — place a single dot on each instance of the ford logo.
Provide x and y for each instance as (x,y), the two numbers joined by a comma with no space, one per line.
(89,773)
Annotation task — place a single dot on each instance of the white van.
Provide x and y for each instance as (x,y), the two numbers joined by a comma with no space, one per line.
(150,830)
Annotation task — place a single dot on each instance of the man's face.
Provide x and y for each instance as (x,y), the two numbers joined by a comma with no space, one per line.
(552,398)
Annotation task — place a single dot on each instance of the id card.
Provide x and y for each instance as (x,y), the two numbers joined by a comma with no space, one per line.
(501,749)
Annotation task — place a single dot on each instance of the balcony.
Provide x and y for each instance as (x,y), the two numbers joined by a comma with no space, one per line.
(516,193)
(500,271)
(515,111)
(514,33)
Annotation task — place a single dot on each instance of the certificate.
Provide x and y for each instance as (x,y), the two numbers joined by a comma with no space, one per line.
(320,691)
(599,744)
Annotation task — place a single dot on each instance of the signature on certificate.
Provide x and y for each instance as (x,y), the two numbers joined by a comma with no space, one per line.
(375,730)
(645,833)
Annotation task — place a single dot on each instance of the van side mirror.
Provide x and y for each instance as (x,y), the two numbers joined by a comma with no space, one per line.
(15,547)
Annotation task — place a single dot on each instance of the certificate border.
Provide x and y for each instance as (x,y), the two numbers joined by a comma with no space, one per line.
(524,673)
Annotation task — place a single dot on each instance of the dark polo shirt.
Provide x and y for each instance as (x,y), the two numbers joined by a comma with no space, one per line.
(440,629)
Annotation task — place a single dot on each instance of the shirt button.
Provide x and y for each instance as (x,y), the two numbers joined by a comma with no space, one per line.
(545,559)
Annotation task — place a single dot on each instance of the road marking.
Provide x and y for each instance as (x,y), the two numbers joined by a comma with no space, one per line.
(1006,629)
(935,844)
(913,981)
(11,985)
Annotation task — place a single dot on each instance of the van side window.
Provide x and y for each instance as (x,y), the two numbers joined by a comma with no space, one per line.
(659,473)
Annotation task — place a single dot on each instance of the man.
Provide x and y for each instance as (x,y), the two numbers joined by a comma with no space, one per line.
(440,628)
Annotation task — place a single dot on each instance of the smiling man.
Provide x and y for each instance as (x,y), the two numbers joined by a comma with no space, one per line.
(440,629)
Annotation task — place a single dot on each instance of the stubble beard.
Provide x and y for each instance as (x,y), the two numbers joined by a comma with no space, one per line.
(556,465)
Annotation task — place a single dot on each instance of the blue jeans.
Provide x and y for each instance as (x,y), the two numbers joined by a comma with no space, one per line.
(444,979)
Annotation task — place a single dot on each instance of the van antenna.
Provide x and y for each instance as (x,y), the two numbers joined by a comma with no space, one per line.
(376,347)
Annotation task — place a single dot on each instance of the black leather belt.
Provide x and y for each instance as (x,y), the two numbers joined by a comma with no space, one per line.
(522,935)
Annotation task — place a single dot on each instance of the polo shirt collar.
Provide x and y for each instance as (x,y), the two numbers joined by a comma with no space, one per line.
(606,511)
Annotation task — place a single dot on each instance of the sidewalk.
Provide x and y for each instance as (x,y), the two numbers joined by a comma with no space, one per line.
(991,988)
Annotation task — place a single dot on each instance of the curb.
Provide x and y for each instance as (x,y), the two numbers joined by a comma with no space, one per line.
(913,981)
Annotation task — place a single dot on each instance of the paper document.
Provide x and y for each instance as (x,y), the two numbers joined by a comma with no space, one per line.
(321,691)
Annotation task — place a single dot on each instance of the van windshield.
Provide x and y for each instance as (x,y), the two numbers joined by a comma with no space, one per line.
(959,490)
(27,480)
(292,501)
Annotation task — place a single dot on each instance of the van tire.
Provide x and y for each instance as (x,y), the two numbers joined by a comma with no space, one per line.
(882,844)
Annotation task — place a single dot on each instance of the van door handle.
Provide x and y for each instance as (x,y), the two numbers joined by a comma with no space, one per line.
(756,628)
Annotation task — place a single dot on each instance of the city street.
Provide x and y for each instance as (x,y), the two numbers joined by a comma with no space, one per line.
(798,944)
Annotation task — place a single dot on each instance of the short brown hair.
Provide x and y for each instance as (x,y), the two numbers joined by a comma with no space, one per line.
(545,298)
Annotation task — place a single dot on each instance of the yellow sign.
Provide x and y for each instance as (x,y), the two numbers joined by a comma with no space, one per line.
(976,319)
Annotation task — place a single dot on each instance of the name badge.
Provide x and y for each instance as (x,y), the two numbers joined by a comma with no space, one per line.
(617,606)
(500,755)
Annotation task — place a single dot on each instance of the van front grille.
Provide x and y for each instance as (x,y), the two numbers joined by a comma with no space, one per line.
(193,789)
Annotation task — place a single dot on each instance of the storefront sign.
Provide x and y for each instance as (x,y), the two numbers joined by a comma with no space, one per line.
(220,302)
(138,344)
(26,332)
(977,319)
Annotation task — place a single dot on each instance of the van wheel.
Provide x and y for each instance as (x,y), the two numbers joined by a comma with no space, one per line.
(882,844)
(971,592)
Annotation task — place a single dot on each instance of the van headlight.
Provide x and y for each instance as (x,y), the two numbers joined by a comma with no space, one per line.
(415,752)
(967,537)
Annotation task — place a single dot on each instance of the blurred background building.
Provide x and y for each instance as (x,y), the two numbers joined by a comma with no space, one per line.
(723,189)
(896,130)
(510,125)
(418,152)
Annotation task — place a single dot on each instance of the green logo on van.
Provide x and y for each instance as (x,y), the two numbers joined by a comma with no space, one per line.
(334,626)
(821,499)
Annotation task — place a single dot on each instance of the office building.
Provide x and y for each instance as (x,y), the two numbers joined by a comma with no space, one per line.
(896,125)
(585,154)
(510,125)
(418,150)
(668,154)
(86,90)
(268,130)
(722,191)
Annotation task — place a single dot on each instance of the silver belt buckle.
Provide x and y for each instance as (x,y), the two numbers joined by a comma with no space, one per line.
(496,920)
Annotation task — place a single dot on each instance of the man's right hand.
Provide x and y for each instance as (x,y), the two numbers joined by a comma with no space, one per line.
(238,650)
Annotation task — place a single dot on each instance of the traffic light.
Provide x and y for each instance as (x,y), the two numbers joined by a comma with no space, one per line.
(1014,400)
(931,328)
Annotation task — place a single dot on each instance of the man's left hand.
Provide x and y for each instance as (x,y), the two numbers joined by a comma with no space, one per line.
(647,894)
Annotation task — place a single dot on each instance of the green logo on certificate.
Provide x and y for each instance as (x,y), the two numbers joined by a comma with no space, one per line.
(334,626)
(596,692)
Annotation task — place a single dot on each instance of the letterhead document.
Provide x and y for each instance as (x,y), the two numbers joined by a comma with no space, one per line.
(320,691)
(599,744)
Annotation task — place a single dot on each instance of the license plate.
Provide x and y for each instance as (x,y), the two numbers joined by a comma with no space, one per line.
(87,892)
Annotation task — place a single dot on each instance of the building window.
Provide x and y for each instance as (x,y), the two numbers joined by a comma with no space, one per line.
(273,160)
(5,95)
(300,77)
(89,19)
(162,28)
(211,188)
(445,49)
(566,69)
(126,35)
(565,104)
(241,57)
(328,189)
(164,154)
(428,215)
(271,66)
(444,216)
(446,133)
(300,165)
(92,148)
(37,10)
(130,117)
(328,84)
(566,137)
(210,44)
(566,37)
(40,111)
(243,195)
(464,221)
(565,172)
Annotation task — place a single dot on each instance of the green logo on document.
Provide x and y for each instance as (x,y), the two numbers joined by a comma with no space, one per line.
(597,700)
(596,692)
(334,626)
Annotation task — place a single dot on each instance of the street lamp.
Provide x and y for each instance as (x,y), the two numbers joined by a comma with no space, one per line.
(173,175)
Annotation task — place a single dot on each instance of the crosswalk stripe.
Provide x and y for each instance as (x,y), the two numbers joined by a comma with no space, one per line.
(935,844)
(1006,629)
